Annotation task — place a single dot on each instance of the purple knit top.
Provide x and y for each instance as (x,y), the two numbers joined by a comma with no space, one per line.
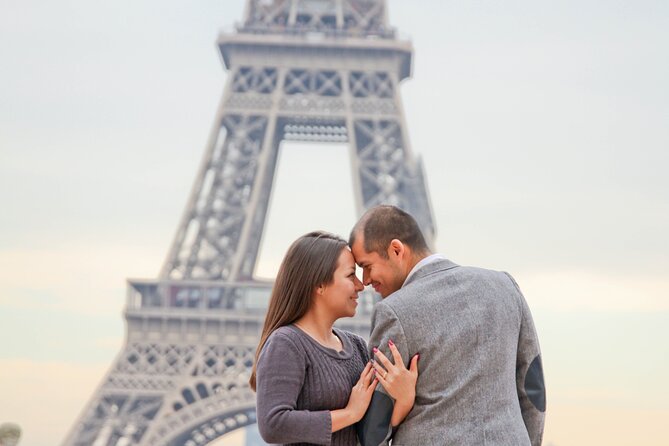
(298,382)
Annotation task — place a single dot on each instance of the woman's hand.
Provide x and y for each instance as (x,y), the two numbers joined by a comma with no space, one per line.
(396,379)
(358,402)
(361,394)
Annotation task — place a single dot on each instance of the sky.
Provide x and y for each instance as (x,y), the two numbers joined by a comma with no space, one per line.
(542,126)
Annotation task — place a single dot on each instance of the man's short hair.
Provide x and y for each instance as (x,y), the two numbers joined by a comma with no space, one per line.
(381,224)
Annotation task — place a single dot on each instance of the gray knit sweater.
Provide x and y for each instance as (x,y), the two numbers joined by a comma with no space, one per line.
(299,381)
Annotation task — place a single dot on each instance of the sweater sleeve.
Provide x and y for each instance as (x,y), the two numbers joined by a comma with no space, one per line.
(280,376)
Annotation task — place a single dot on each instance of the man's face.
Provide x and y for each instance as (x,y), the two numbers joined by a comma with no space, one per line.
(384,275)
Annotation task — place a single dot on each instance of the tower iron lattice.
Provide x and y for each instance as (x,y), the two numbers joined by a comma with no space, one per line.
(305,70)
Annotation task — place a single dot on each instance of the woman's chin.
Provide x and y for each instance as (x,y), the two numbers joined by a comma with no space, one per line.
(347,313)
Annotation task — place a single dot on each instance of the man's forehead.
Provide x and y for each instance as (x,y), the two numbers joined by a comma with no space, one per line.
(358,246)
(360,254)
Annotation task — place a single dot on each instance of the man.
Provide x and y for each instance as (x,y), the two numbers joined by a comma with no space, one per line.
(481,379)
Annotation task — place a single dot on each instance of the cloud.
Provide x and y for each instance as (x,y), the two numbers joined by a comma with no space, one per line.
(110,343)
(590,291)
(83,278)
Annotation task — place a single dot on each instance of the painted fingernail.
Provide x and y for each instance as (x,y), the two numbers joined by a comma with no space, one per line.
(390,342)
(375,349)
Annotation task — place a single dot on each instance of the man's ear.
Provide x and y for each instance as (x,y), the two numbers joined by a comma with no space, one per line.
(396,248)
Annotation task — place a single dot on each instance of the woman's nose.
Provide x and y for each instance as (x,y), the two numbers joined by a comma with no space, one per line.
(358,284)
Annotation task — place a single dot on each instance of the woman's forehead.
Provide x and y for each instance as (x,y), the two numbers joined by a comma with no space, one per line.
(346,258)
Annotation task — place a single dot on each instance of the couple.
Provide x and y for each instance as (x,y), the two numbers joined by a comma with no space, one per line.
(469,331)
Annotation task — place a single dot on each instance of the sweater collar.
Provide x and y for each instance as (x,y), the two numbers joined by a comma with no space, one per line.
(347,348)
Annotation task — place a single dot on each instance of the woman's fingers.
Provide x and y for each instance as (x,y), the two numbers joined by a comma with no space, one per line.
(396,354)
(368,374)
(372,386)
(382,358)
(413,366)
(368,369)
(380,371)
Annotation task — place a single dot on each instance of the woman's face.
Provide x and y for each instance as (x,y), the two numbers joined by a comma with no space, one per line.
(340,297)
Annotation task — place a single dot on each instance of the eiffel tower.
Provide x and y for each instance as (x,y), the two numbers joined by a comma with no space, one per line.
(304,70)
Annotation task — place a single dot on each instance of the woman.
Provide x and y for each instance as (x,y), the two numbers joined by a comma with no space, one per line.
(314,381)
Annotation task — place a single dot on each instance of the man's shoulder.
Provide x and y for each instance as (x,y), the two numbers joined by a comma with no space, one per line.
(444,269)
(423,278)
(438,278)
(475,271)
(401,303)
(492,277)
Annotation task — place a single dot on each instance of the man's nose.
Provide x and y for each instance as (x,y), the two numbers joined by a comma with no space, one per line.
(365,278)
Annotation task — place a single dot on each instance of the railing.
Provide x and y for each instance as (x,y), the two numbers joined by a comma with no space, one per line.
(297,30)
(198,296)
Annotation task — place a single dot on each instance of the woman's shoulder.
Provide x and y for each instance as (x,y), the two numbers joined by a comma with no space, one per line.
(284,334)
(284,338)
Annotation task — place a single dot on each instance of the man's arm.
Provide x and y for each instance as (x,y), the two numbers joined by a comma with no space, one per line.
(530,375)
(375,428)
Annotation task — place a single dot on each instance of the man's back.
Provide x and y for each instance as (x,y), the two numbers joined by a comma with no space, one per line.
(476,341)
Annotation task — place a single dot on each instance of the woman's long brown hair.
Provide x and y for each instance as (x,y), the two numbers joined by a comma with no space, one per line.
(309,263)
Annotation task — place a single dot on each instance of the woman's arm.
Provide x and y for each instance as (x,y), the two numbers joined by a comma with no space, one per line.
(280,376)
